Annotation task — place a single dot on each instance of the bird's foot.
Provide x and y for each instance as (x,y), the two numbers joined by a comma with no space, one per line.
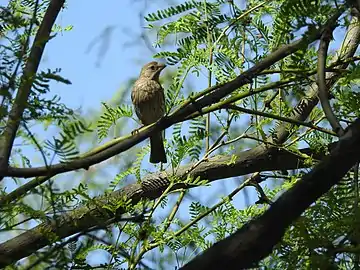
(135,131)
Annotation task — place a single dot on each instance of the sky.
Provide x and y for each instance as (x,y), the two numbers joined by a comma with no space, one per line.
(92,83)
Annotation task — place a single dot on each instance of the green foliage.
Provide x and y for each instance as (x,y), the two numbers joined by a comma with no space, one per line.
(65,146)
(41,107)
(171,11)
(173,94)
(318,141)
(326,222)
(120,177)
(347,94)
(187,146)
(204,47)
(139,158)
(109,118)
(293,15)
(73,194)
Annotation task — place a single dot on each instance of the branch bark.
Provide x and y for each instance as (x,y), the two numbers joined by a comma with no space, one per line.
(151,187)
(323,91)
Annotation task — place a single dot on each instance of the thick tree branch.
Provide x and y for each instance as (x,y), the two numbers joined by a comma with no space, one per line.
(32,64)
(255,240)
(151,187)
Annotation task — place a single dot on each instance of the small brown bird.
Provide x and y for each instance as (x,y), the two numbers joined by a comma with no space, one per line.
(149,101)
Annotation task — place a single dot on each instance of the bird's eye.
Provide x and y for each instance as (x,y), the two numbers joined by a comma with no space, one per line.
(152,67)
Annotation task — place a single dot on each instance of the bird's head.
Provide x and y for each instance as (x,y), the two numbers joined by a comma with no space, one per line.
(152,70)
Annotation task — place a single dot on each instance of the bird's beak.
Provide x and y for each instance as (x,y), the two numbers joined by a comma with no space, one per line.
(161,66)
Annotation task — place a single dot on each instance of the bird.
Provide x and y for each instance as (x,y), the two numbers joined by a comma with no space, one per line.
(148,98)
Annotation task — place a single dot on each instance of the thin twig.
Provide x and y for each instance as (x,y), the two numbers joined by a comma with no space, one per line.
(36,143)
(281,118)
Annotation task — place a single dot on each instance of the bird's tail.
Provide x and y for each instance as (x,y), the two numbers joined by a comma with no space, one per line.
(157,153)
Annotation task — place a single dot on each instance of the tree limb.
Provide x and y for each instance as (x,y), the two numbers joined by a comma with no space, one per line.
(32,64)
(323,92)
(151,187)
